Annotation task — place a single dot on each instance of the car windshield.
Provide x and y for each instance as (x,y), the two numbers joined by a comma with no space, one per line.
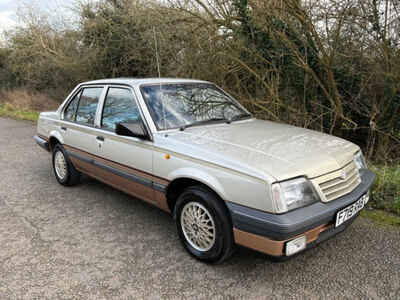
(183,105)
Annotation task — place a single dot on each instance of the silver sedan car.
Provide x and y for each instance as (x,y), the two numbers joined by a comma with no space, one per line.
(189,148)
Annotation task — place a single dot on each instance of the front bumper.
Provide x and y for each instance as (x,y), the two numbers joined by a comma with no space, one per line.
(268,233)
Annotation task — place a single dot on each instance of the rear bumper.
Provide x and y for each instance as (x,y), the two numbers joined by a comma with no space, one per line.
(268,233)
(42,142)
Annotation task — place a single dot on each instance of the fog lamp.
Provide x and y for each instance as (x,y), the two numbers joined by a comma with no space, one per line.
(296,245)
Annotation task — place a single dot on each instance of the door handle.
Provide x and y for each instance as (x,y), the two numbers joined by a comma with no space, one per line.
(100,138)
(64,128)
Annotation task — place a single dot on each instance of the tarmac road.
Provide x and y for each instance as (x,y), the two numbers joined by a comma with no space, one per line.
(94,242)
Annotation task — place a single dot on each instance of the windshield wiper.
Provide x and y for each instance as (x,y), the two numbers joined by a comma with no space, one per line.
(212,120)
(240,117)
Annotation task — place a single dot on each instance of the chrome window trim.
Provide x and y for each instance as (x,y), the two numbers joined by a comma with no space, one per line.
(79,91)
(101,106)
(64,104)
(138,97)
(145,109)
(97,119)
(71,97)
(67,103)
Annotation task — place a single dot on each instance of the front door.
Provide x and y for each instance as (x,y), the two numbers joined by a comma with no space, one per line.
(127,159)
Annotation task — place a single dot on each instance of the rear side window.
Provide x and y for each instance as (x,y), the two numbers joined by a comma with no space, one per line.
(119,106)
(88,105)
(69,113)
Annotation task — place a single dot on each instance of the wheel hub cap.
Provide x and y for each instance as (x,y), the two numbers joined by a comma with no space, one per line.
(198,226)
(60,165)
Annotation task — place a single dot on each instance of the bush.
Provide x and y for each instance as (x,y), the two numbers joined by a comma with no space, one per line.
(386,189)
(28,100)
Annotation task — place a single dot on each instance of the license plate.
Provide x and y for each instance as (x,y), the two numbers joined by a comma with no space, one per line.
(351,210)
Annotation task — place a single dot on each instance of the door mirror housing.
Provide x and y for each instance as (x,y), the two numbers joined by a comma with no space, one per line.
(134,129)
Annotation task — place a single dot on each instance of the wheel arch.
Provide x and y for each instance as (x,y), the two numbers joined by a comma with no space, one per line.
(54,139)
(190,177)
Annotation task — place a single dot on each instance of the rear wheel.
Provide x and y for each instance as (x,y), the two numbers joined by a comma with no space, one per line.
(65,172)
(203,225)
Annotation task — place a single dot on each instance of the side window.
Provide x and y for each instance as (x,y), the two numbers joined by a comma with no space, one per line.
(69,112)
(87,105)
(119,106)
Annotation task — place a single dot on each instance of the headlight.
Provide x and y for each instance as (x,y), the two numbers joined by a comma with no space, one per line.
(291,194)
(359,160)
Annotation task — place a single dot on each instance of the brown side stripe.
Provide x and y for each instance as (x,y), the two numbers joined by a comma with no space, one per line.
(43,137)
(117,171)
(129,180)
(120,167)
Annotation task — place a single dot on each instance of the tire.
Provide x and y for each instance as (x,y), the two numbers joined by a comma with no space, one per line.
(65,172)
(209,237)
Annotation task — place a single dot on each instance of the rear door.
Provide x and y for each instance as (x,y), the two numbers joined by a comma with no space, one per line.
(78,128)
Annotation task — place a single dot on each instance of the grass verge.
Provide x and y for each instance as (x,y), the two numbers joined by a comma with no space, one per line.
(381,217)
(7,110)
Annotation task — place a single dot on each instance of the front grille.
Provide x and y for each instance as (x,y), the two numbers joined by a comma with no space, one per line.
(339,183)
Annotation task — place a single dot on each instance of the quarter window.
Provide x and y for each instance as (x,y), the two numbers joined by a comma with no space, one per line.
(119,107)
(88,105)
(69,113)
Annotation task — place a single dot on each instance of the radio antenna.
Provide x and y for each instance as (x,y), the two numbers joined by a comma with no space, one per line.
(159,76)
(157,59)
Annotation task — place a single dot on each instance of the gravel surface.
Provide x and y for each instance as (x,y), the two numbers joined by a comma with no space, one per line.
(94,242)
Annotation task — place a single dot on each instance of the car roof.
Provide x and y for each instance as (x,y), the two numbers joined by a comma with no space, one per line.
(139,81)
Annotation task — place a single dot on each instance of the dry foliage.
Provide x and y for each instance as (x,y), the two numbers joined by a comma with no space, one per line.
(23,99)
(332,66)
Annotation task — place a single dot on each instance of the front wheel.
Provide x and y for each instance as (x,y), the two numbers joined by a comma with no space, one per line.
(203,225)
(65,172)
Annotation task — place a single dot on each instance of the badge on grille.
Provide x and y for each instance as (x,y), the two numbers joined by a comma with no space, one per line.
(344,175)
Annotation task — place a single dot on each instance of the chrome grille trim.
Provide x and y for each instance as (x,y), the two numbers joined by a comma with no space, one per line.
(332,186)
(341,183)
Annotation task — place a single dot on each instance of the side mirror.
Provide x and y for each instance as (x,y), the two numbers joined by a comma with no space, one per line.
(134,129)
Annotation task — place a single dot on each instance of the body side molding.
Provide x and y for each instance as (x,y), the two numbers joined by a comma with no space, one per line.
(150,188)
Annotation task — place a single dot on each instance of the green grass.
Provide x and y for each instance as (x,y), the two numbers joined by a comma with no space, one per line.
(7,110)
(381,217)
(386,188)
(385,195)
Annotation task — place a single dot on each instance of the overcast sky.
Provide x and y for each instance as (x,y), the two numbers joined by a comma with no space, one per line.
(8,9)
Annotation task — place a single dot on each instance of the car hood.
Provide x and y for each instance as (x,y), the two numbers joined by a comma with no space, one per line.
(264,148)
